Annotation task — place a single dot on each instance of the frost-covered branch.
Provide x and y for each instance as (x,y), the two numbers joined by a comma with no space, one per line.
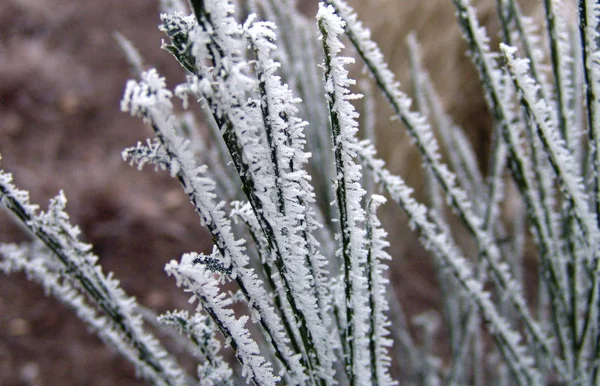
(377,287)
(242,123)
(201,332)
(150,99)
(200,281)
(562,160)
(589,21)
(79,268)
(443,248)
(349,193)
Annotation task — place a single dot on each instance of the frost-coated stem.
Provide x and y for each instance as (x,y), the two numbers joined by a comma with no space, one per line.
(200,281)
(489,73)
(564,165)
(245,213)
(560,61)
(428,147)
(150,99)
(377,285)
(416,124)
(56,232)
(443,248)
(200,330)
(36,261)
(225,86)
(524,35)
(589,22)
(561,158)
(530,172)
(469,329)
(348,193)
(576,202)
(428,103)
(286,141)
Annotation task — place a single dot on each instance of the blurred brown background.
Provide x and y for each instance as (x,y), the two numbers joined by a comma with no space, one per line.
(61,79)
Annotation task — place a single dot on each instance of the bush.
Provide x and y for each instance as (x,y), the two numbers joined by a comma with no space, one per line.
(299,250)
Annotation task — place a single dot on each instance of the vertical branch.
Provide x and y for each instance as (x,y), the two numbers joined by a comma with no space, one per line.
(561,59)
(589,22)
(376,286)
(348,192)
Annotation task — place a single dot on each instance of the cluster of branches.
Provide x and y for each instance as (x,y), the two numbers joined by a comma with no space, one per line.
(311,275)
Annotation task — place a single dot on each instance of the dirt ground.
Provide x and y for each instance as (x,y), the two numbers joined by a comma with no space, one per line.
(61,79)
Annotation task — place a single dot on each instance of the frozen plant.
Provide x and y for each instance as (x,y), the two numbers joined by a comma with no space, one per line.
(301,242)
